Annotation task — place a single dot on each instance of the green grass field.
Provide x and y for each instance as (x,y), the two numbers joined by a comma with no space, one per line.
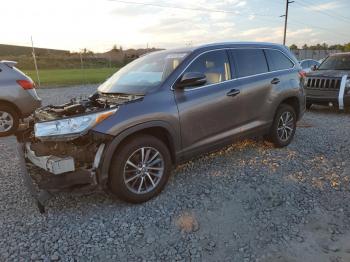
(64,77)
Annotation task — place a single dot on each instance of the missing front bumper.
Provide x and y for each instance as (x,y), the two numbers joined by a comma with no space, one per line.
(53,164)
(40,196)
(44,176)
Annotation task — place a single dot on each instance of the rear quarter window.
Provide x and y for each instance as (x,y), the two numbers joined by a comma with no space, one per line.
(249,62)
(277,60)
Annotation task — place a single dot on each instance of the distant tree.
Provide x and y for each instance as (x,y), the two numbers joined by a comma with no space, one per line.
(336,47)
(121,49)
(86,51)
(324,46)
(293,47)
(114,47)
(346,47)
(305,46)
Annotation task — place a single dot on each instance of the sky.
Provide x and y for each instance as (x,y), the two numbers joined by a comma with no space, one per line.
(99,24)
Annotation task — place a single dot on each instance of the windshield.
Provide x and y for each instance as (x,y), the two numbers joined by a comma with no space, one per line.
(144,73)
(336,62)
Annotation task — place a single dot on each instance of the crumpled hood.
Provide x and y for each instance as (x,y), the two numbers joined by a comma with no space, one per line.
(328,73)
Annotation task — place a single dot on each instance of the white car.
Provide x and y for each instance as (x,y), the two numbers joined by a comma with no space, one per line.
(308,64)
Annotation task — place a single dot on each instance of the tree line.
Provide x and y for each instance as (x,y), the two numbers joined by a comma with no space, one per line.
(324,46)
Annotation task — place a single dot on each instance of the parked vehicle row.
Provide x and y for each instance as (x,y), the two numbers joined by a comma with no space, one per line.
(162,109)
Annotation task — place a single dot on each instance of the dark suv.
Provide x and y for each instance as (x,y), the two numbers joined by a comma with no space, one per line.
(161,109)
(330,82)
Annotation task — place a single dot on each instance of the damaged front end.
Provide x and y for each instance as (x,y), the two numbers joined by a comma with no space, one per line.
(59,149)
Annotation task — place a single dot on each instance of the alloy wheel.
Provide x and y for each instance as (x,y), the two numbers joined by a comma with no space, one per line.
(6,121)
(143,170)
(285,126)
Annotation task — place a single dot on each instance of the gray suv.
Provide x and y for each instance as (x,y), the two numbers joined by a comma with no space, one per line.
(164,108)
(18,98)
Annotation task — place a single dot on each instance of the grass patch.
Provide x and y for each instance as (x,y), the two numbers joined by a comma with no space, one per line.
(64,77)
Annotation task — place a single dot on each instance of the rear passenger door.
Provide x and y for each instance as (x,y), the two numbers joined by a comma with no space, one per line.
(280,69)
(255,85)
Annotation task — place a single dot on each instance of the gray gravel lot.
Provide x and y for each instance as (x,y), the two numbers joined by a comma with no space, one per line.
(247,202)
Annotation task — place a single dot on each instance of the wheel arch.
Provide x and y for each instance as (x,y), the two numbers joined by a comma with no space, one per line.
(292,101)
(12,105)
(159,129)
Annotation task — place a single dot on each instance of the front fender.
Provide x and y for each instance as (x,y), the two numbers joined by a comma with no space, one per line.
(113,145)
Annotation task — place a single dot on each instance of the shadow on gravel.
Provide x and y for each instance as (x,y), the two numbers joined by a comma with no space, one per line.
(329,110)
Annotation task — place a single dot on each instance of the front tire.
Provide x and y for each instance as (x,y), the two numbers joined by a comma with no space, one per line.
(9,120)
(284,125)
(140,169)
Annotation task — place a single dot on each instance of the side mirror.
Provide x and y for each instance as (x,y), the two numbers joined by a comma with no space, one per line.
(192,79)
(314,68)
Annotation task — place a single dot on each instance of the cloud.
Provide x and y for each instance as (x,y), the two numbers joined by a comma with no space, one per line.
(325,6)
(99,24)
(129,10)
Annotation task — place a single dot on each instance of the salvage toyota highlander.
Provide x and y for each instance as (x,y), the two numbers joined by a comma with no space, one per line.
(162,109)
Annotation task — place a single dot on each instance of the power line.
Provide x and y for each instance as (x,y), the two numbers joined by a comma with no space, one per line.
(332,15)
(262,16)
(191,8)
(328,30)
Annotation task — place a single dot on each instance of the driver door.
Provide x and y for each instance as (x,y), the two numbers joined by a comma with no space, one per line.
(209,114)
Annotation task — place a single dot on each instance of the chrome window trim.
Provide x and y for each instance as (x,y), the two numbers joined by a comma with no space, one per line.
(234,79)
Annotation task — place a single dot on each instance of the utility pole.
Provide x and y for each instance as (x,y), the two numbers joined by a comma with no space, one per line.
(35,64)
(285,21)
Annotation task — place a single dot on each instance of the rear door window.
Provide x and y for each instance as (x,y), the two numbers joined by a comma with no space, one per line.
(249,62)
(277,60)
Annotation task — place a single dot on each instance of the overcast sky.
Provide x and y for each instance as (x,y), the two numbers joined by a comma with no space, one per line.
(99,24)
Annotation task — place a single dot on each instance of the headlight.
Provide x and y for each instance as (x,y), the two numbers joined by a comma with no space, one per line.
(69,128)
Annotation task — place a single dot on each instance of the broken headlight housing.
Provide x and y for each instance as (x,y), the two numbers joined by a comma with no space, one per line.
(69,128)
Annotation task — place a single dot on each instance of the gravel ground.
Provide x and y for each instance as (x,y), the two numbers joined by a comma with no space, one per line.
(247,202)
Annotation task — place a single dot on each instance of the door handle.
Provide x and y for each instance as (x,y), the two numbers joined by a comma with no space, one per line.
(275,81)
(233,92)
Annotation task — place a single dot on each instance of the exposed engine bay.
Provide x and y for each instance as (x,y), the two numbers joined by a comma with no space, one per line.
(95,102)
(66,163)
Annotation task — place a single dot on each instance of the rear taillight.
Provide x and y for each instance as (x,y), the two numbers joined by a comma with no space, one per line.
(26,84)
(302,74)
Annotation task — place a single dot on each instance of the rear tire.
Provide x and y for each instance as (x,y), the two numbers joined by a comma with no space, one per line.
(140,169)
(9,120)
(283,127)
